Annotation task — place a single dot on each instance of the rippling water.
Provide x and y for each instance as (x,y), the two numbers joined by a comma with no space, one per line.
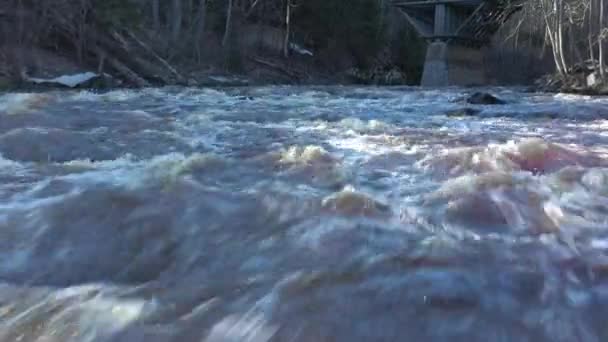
(302,214)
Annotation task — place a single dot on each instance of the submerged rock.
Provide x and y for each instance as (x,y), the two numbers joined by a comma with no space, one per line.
(484,99)
(462,112)
(444,289)
(310,164)
(349,202)
(306,155)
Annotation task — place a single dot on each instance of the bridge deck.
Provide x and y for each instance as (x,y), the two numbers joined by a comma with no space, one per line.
(469,22)
(432,3)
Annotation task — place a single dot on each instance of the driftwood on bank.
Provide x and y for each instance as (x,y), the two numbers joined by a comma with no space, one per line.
(291,73)
(124,70)
(145,60)
(161,60)
(128,57)
(127,64)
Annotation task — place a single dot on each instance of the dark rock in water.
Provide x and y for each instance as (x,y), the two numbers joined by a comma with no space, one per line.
(445,290)
(524,284)
(548,115)
(329,117)
(462,112)
(245,98)
(484,99)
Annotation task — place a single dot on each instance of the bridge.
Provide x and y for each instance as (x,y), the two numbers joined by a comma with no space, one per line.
(456,31)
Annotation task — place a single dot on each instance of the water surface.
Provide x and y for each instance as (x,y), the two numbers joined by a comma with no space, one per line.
(303,214)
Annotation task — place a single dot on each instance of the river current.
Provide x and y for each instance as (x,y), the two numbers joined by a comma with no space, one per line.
(303,214)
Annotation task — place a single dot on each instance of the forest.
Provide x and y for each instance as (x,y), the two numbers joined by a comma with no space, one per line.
(160,42)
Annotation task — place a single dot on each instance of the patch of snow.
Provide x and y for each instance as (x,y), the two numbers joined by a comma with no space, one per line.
(66,80)
(229,79)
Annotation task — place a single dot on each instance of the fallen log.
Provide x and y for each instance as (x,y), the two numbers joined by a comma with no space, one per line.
(120,67)
(121,46)
(277,67)
(64,27)
(161,60)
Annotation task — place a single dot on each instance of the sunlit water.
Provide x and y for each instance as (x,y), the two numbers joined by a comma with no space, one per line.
(302,214)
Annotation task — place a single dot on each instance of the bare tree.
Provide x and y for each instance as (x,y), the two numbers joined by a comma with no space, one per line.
(601,43)
(590,32)
(560,34)
(176,20)
(252,8)
(189,10)
(287,28)
(200,28)
(228,28)
(550,10)
(20,21)
(156,14)
(81,30)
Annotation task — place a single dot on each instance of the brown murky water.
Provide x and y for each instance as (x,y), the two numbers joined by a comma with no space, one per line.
(302,214)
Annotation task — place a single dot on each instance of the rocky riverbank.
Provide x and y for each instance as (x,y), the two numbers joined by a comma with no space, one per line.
(582,79)
(38,69)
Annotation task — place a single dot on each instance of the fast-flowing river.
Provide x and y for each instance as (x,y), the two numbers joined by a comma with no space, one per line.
(303,214)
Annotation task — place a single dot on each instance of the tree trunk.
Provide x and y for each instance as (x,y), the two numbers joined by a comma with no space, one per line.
(179,78)
(200,28)
(21,22)
(82,31)
(156,14)
(124,70)
(560,34)
(601,43)
(556,58)
(590,33)
(228,29)
(575,51)
(176,20)
(550,28)
(287,28)
(190,15)
(382,18)
(252,8)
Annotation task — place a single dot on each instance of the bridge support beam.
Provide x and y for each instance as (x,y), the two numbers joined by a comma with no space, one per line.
(452,65)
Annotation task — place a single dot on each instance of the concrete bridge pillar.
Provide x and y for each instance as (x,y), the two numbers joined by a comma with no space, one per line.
(451,64)
(455,30)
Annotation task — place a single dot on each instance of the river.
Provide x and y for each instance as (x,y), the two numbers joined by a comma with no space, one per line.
(303,214)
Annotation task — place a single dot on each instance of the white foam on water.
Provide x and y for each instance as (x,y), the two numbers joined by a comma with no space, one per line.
(126,171)
(109,315)
(11,167)
(356,143)
(133,173)
(81,313)
(445,171)
(362,127)
(571,97)
(250,327)
(28,201)
(18,103)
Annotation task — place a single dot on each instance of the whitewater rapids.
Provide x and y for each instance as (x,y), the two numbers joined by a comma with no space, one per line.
(302,214)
